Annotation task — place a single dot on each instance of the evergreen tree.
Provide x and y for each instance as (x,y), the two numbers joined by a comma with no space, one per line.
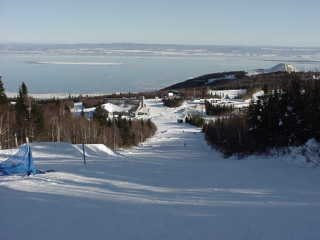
(37,118)
(23,112)
(22,104)
(24,89)
(101,116)
(3,96)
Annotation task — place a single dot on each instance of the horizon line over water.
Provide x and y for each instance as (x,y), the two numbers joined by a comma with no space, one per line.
(108,68)
(123,43)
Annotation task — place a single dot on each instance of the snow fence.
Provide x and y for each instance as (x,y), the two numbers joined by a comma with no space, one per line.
(20,163)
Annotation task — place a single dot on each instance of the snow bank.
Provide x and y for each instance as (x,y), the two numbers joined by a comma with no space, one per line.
(96,149)
(305,155)
(44,150)
(256,95)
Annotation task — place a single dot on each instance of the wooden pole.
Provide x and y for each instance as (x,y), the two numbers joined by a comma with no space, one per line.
(16,139)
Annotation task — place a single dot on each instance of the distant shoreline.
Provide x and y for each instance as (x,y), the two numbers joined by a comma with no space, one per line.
(75,63)
(292,61)
(45,96)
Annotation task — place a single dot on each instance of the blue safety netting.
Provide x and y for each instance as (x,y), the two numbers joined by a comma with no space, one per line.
(20,163)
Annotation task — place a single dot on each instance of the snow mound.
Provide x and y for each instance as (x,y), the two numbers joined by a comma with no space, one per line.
(255,96)
(307,154)
(99,148)
(113,108)
(44,150)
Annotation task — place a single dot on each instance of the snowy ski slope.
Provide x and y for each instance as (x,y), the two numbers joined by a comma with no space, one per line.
(172,187)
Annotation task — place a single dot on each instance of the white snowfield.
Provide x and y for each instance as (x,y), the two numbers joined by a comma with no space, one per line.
(174,186)
(231,94)
(111,108)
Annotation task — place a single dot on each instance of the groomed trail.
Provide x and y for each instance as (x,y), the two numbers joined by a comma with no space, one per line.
(173,186)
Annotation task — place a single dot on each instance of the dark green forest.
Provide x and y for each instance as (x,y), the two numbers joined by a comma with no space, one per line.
(287,115)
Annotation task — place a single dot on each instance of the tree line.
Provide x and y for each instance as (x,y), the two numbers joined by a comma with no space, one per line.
(53,121)
(218,109)
(288,115)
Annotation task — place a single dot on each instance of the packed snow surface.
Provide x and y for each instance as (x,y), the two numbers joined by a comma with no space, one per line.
(174,186)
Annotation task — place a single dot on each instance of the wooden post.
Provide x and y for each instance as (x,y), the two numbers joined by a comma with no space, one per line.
(16,139)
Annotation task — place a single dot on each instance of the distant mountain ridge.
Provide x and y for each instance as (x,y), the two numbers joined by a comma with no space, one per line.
(239,79)
(208,79)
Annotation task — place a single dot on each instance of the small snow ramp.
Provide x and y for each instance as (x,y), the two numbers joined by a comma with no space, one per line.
(20,163)
(96,150)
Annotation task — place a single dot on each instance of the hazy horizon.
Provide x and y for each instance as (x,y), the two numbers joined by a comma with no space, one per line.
(125,45)
(204,22)
(127,67)
(158,44)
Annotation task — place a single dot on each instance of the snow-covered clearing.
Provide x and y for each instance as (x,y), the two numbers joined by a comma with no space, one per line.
(111,108)
(172,187)
(230,94)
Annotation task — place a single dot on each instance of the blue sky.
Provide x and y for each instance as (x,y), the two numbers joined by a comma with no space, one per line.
(225,22)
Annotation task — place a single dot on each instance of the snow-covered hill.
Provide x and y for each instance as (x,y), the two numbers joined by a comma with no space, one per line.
(174,186)
(282,67)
